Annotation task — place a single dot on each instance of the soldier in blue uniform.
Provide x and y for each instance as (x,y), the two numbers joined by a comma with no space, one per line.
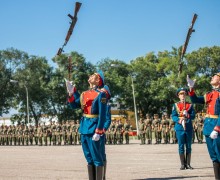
(94,103)
(107,123)
(182,114)
(211,127)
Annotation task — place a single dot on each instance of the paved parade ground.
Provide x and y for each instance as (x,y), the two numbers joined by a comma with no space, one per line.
(125,162)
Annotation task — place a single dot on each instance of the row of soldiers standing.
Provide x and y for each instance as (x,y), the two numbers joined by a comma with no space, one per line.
(163,129)
(65,133)
(118,132)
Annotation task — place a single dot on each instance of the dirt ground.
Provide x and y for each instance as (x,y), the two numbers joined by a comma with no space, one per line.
(125,162)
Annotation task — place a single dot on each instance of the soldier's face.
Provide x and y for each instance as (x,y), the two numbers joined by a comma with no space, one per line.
(93,79)
(182,95)
(215,81)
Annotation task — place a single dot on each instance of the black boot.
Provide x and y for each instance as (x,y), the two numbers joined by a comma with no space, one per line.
(216,167)
(99,172)
(104,173)
(188,159)
(91,172)
(182,160)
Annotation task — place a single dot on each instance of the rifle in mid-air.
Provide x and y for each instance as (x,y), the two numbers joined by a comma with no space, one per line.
(190,31)
(72,25)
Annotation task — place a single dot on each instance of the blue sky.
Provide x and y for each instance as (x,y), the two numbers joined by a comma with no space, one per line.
(117,29)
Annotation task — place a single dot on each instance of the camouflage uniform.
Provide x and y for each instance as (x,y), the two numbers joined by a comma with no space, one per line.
(9,134)
(119,132)
(141,128)
(127,129)
(26,135)
(14,139)
(49,132)
(64,133)
(148,128)
(73,130)
(157,129)
(35,135)
(45,133)
(1,134)
(53,130)
(113,132)
(40,135)
(173,132)
(165,129)
(78,133)
(31,134)
(68,133)
(200,123)
(59,133)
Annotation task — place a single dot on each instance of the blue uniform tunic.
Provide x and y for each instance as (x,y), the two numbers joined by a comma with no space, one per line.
(93,102)
(184,136)
(212,120)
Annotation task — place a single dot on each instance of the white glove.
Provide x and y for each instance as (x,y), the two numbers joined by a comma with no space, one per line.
(190,82)
(214,134)
(69,86)
(185,113)
(95,137)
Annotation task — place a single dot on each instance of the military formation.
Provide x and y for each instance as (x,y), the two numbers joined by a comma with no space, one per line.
(156,130)
(55,133)
(159,130)
(118,133)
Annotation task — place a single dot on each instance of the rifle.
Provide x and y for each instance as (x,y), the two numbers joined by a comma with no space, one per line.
(184,108)
(190,31)
(72,25)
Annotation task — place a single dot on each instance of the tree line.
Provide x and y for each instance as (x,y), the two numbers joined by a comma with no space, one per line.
(155,78)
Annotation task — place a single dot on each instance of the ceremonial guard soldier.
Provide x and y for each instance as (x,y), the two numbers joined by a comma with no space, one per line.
(211,127)
(93,102)
(182,114)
